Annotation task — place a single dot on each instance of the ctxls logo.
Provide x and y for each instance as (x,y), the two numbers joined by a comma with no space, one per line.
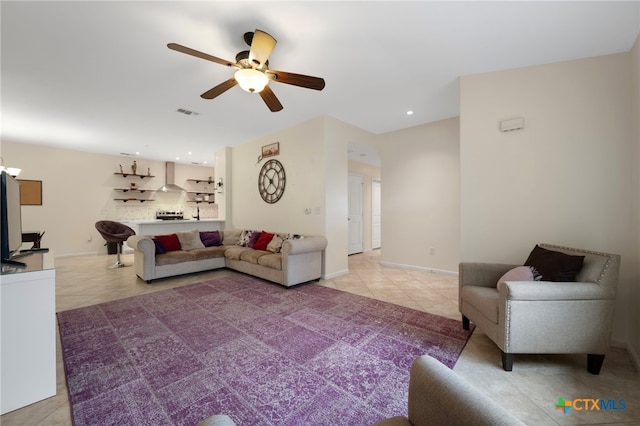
(590,404)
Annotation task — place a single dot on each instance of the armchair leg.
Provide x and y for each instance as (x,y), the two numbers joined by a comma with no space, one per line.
(465,322)
(507,361)
(594,363)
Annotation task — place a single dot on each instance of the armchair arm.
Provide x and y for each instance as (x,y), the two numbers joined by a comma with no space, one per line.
(482,274)
(547,290)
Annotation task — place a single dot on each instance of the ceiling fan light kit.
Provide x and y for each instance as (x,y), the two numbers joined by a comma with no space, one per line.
(252,68)
(251,80)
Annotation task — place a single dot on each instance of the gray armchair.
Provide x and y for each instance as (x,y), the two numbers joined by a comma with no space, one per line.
(543,317)
(439,397)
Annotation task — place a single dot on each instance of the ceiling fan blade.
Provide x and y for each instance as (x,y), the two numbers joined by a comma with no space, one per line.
(300,80)
(219,89)
(261,47)
(270,99)
(183,49)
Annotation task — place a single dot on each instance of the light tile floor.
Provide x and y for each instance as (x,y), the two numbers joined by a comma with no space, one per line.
(530,391)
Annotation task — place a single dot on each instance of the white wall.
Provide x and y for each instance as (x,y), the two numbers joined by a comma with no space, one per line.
(634,283)
(222,168)
(421,196)
(565,179)
(77,191)
(338,136)
(302,156)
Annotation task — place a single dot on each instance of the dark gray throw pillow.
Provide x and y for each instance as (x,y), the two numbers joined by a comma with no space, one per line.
(554,265)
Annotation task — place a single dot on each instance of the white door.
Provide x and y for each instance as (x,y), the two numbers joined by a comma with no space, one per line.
(376,215)
(355,213)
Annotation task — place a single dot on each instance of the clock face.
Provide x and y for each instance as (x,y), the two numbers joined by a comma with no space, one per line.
(271,181)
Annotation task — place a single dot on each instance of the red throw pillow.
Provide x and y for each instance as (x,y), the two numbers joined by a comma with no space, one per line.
(263,241)
(169,242)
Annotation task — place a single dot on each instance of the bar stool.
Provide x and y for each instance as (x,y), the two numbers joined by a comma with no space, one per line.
(115,232)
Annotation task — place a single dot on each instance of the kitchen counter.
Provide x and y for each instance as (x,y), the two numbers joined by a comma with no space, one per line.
(164,227)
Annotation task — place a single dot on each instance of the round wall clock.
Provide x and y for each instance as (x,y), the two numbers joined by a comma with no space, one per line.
(271,181)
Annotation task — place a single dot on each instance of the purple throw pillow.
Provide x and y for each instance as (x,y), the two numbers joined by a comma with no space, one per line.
(210,238)
(254,238)
(159,248)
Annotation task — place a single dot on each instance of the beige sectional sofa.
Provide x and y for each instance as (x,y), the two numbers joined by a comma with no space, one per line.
(297,260)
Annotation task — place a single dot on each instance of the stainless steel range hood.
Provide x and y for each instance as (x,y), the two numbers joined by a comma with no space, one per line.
(170,179)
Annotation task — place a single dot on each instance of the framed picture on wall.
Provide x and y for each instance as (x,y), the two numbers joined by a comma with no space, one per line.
(271,150)
(30,192)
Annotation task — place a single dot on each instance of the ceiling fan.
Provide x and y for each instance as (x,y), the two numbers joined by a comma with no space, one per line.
(252,70)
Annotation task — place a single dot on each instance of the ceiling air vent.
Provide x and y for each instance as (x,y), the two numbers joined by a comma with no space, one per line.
(187,112)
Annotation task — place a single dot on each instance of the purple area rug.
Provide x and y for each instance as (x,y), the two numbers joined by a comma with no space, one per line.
(258,352)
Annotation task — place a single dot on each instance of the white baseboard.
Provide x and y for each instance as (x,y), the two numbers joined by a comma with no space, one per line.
(335,274)
(419,268)
(87,253)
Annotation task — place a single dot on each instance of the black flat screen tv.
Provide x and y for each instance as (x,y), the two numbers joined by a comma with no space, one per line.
(10,219)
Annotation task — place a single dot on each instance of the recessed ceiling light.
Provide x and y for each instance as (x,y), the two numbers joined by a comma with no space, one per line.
(177,158)
(189,152)
(409,112)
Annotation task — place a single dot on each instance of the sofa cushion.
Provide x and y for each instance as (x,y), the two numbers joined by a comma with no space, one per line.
(553,265)
(169,242)
(173,257)
(210,238)
(275,245)
(252,255)
(208,252)
(190,240)
(263,241)
(230,237)
(234,252)
(271,260)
